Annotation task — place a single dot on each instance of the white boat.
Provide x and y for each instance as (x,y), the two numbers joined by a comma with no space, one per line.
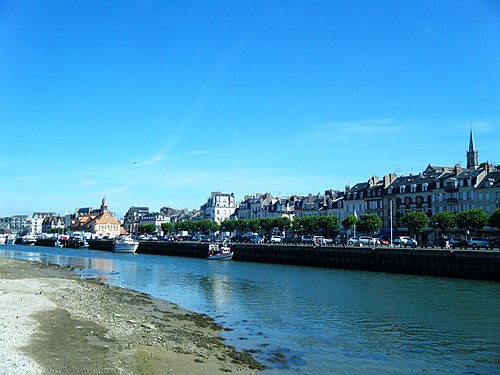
(219,252)
(11,239)
(29,240)
(126,245)
(3,240)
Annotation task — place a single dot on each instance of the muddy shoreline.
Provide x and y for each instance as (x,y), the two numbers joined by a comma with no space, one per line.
(57,323)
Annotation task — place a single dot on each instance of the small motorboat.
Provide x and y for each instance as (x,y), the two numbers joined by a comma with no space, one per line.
(219,252)
(29,240)
(126,245)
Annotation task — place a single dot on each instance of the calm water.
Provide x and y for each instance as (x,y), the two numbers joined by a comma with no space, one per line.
(316,321)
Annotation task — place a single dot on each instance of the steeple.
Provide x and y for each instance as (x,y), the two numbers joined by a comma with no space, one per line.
(104,205)
(472,155)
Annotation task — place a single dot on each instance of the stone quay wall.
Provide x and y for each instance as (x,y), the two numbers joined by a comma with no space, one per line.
(469,264)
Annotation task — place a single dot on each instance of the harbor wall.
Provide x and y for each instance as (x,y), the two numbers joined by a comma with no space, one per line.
(183,249)
(470,264)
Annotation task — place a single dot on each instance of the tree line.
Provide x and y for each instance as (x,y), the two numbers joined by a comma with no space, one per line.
(471,220)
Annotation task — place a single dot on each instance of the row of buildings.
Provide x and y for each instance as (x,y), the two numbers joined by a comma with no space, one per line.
(436,189)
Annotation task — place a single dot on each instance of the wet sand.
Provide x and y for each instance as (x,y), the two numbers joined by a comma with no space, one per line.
(53,322)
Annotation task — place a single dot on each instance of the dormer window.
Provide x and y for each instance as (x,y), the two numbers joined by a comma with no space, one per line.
(413,188)
(389,191)
(401,189)
(438,184)
(425,187)
(451,184)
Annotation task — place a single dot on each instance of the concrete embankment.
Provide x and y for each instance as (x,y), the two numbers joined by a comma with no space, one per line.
(470,264)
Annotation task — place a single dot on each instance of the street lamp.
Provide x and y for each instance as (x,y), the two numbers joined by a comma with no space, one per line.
(390,215)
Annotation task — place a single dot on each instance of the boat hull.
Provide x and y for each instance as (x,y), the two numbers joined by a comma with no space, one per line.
(221,256)
(126,247)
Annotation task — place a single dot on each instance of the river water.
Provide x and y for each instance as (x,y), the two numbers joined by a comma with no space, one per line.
(303,320)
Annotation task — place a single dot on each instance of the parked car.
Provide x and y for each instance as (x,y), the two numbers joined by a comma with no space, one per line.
(363,241)
(203,238)
(340,240)
(439,242)
(383,241)
(275,239)
(352,241)
(495,242)
(256,239)
(367,240)
(408,241)
(458,242)
(306,239)
(477,242)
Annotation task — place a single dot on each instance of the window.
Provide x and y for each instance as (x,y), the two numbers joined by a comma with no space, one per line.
(402,189)
(413,188)
(425,187)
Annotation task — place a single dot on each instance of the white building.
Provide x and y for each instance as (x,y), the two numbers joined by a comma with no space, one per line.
(219,207)
(37,221)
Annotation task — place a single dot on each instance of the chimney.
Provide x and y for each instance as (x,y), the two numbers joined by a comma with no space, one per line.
(458,169)
(373,180)
(389,179)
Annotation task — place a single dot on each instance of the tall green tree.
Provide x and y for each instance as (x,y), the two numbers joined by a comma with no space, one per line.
(494,220)
(184,226)
(473,219)
(445,221)
(147,228)
(415,221)
(266,224)
(349,222)
(329,224)
(306,224)
(254,225)
(369,223)
(167,227)
(229,225)
(283,223)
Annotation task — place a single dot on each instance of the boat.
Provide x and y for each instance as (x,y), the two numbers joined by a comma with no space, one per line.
(126,245)
(3,240)
(11,239)
(219,252)
(29,240)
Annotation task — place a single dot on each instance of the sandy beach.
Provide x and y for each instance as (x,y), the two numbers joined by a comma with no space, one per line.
(54,322)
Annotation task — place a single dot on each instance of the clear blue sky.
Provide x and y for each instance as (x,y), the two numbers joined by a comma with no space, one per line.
(158,103)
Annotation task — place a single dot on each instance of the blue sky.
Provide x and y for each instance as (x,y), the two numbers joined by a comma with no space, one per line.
(159,103)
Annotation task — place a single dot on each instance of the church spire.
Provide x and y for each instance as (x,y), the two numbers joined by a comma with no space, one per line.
(104,205)
(472,154)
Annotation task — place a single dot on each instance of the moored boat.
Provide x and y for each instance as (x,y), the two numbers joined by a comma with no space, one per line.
(29,240)
(219,252)
(126,245)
